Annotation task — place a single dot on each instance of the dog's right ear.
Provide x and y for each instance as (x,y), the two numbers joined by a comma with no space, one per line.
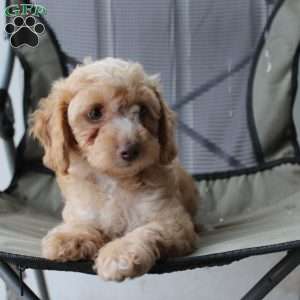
(49,125)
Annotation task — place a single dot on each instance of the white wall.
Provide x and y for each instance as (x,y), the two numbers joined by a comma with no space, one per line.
(218,283)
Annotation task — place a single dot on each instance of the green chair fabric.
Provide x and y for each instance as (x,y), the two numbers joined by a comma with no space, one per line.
(249,211)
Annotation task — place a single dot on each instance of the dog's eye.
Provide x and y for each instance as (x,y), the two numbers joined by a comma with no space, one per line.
(143,111)
(95,113)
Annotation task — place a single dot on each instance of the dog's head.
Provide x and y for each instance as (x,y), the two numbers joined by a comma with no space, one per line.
(109,112)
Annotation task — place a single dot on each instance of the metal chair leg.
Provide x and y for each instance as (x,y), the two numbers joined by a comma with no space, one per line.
(274,276)
(41,281)
(12,280)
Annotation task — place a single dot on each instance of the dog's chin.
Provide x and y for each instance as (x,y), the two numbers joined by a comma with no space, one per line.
(124,169)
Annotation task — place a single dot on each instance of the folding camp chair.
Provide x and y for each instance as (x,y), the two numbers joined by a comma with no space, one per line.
(230,70)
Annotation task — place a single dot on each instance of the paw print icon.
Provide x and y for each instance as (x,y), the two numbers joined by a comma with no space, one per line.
(24,31)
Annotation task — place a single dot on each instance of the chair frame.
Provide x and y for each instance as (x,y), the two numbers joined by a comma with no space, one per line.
(265,285)
(14,281)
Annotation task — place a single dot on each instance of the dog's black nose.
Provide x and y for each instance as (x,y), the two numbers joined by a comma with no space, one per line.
(130,152)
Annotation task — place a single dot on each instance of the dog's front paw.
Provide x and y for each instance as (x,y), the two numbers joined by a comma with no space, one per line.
(66,243)
(123,259)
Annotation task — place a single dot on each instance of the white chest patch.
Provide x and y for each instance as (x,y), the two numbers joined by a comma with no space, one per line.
(122,211)
(107,205)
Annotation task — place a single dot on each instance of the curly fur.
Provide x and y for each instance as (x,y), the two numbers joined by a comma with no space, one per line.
(123,214)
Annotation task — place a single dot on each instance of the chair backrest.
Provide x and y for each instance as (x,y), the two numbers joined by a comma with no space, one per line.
(228,77)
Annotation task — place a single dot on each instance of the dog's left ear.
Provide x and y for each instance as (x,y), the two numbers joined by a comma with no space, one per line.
(166,128)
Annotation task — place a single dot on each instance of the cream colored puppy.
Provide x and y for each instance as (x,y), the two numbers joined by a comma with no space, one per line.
(109,137)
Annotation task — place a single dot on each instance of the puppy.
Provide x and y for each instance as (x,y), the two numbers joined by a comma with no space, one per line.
(109,137)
